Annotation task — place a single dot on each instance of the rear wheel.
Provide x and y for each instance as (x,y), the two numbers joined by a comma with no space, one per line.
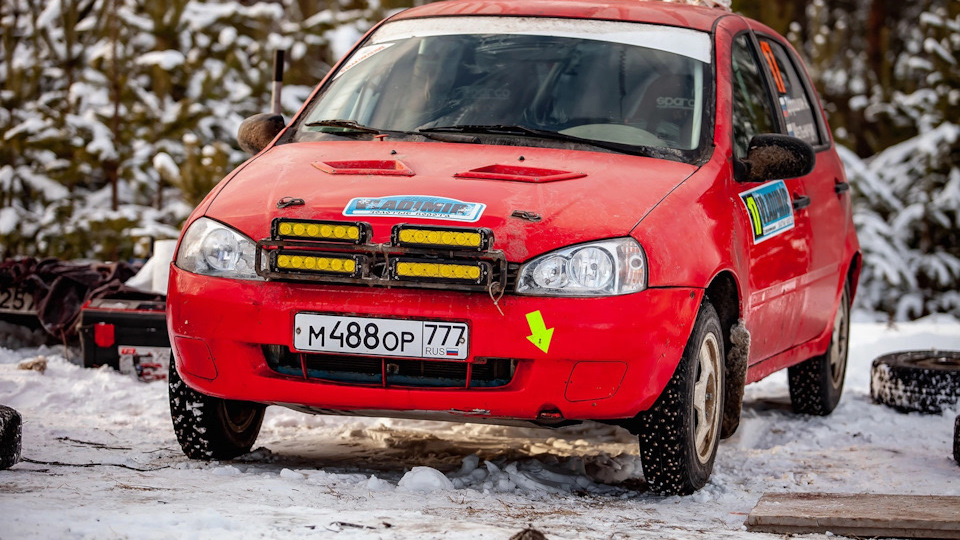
(816,384)
(679,434)
(208,427)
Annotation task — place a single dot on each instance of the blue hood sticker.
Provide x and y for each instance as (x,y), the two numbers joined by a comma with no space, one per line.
(415,206)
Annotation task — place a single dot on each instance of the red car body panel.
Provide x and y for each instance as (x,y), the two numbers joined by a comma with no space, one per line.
(610,357)
(237,317)
(569,208)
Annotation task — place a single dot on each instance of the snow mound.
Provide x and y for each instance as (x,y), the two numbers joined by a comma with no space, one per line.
(425,479)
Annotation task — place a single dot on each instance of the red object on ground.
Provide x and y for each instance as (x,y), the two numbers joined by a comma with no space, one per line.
(103,335)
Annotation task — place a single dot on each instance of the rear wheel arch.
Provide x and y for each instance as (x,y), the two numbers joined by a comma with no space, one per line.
(853,273)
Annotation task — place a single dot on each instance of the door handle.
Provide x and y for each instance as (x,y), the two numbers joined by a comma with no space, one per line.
(800,202)
(841,187)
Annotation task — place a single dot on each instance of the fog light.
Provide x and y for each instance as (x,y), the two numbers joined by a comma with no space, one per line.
(444,271)
(443,237)
(323,264)
(327,231)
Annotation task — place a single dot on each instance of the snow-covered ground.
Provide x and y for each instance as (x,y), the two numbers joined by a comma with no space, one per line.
(333,477)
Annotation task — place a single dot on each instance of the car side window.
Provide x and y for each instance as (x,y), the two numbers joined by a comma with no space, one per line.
(797,108)
(752,109)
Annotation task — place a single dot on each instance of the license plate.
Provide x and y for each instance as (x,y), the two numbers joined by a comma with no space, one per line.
(16,300)
(381,337)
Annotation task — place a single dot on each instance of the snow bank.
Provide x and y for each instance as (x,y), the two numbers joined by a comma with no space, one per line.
(103,456)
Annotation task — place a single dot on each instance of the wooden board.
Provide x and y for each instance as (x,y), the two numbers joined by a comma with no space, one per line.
(860,515)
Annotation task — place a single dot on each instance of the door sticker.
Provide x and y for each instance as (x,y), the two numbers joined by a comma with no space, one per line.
(769,209)
(415,206)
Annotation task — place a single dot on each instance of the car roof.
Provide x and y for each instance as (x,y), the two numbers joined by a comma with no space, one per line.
(666,13)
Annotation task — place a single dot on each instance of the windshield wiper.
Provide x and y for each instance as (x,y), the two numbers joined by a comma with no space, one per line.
(347,124)
(494,129)
(523,131)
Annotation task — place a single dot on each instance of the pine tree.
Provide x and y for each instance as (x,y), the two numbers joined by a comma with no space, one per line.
(117,116)
(923,173)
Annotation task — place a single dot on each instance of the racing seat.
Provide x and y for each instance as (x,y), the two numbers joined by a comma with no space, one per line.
(666,109)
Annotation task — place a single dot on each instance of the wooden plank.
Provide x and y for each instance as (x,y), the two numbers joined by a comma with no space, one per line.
(860,515)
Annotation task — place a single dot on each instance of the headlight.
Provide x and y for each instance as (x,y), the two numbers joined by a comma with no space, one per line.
(605,268)
(211,248)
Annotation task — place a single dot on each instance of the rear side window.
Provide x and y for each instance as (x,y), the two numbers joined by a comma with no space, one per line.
(795,104)
(752,109)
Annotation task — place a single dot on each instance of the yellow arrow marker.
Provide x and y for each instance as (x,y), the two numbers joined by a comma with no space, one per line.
(539,333)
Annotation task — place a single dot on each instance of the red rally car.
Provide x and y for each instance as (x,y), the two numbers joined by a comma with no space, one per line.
(535,212)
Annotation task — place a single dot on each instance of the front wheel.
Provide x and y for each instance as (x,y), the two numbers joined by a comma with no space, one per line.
(208,427)
(817,383)
(679,434)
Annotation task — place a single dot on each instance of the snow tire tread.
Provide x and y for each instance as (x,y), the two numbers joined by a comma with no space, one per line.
(198,421)
(956,440)
(11,437)
(812,390)
(665,431)
(917,381)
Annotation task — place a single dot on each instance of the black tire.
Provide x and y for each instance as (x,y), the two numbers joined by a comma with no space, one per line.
(679,435)
(10,437)
(817,384)
(208,427)
(956,440)
(917,381)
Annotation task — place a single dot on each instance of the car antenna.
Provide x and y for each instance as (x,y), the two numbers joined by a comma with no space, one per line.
(277,81)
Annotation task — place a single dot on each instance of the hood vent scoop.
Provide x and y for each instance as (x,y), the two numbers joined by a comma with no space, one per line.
(384,167)
(518,173)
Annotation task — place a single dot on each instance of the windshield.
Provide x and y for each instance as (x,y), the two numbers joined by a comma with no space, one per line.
(623,86)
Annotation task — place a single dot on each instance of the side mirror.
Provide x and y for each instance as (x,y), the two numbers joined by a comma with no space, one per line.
(256,132)
(775,157)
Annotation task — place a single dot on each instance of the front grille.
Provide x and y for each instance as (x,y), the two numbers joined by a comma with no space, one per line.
(391,371)
(513,273)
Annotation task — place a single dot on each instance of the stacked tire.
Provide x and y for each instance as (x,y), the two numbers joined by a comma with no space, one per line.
(917,381)
(10,435)
(926,382)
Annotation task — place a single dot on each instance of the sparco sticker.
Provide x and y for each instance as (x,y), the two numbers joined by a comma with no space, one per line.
(415,206)
(770,210)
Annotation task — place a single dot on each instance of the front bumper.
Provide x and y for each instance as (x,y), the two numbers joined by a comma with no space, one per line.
(608,358)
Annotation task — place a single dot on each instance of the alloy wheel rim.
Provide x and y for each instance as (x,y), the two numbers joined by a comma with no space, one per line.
(706,397)
(838,345)
(238,417)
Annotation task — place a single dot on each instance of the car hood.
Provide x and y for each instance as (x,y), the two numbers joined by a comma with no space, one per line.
(534,199)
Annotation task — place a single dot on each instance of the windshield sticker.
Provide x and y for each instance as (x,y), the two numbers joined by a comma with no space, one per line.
(682,41)
(770,210)
(361,55)
(415,206)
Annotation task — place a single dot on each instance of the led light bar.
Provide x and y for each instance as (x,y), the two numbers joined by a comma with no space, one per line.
(442,237)
(347,266)
(457,272)
(326,231)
